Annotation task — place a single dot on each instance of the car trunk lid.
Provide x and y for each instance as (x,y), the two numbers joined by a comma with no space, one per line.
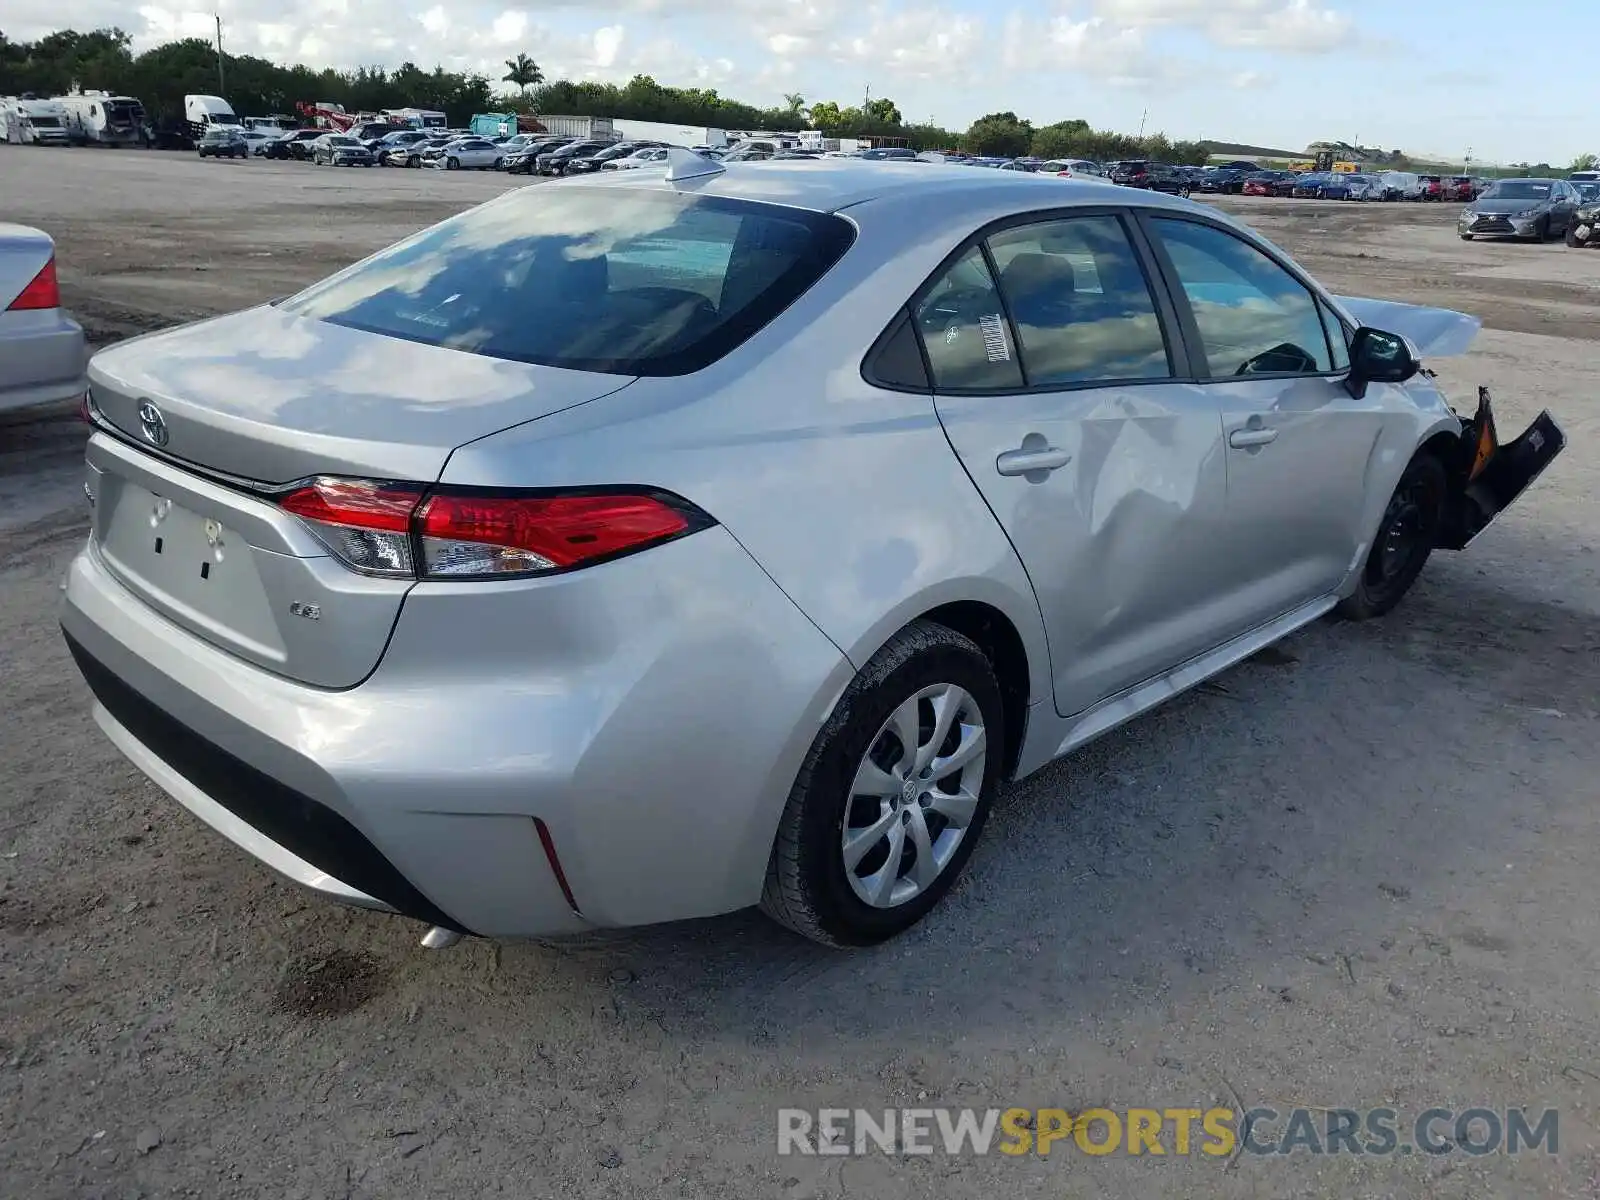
(196,442)
(271,397)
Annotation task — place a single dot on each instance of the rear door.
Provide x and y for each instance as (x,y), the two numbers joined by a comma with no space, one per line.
(1059,381)
(1297,443)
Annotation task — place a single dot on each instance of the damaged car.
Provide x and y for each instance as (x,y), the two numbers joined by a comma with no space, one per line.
(670,542)
(1585,229)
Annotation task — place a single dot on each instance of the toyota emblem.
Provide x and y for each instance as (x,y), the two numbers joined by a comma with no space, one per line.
(152,423)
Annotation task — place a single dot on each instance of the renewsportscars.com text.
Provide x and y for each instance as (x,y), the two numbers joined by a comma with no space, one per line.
(1176,1132)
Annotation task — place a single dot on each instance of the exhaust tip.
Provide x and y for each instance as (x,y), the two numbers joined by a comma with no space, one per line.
(440,938)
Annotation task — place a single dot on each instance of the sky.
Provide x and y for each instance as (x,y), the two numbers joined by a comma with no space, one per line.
(1430,77)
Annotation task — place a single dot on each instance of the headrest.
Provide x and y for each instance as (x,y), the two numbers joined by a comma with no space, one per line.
(1029,274)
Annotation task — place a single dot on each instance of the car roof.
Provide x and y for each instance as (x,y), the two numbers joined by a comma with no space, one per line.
(830,184)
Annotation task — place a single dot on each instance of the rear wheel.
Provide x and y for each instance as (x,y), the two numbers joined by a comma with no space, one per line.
(893,795)
(1406,537)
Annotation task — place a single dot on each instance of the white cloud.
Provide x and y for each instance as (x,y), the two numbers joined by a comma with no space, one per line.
(435,21)
(915,42)
(510,27)
(1116,54)
(1247,80)
(1292,26)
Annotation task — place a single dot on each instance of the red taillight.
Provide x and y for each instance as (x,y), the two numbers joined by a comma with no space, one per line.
(374,527)
(368,525)
(493,535)
(42,292)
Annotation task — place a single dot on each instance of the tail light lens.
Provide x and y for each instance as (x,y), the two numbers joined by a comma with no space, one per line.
(403,531)
(42,291)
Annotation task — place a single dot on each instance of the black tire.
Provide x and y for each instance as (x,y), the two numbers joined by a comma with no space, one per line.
(1406,536)
(807,888)
(1572,236)
(1466,237)
(1542,234)
(452,164)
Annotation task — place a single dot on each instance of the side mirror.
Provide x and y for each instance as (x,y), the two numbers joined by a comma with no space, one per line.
(1379,357)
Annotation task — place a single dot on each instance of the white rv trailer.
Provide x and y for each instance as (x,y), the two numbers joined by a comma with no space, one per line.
(103,118)
(25,120)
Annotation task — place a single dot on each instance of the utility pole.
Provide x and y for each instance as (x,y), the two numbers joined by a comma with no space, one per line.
(866,100)
(1142,117)
(222,83)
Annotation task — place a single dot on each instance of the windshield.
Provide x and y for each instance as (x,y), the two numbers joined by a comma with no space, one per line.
(645,284)
(343,141)
(1517,189)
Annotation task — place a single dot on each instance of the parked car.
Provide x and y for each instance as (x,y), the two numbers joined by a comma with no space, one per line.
(554,161)
(340,150)
(471,153)
(1309,185)
(1334,186)
(1585,227)
(545,511)
(521,160)
(644,156)
(1261,183)
(1537,209)
(582,164)
(397,149)
(1363,187)
(1462,188)
(294,144)
(1020,164)
(1153,176)
(1223,181)
(1129,173)
(1432,187)
(222,141)
(889,154)
(42,352)
(257,140)
(1401,185)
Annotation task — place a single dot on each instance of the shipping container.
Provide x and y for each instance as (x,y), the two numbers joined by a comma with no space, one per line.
(588,128)
(672,135)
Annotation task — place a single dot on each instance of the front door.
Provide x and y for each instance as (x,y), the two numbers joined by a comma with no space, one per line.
(1298,443)
(1056,386)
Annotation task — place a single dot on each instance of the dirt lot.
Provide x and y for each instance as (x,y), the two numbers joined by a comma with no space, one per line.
(1355,873)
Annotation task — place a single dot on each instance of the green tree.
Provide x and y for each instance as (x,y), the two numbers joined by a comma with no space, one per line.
(523,73)
(827,116)
(882,111)
(795,104)
(1000,135)
(1064,139)
(1584,162)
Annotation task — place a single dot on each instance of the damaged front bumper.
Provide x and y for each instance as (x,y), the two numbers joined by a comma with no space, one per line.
(1487,476)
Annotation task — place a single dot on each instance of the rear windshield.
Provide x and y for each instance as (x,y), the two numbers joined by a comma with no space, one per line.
(1517,189)
(618,281)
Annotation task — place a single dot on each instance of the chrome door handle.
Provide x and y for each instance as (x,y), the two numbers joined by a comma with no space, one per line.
(1243,439)
(1025,462)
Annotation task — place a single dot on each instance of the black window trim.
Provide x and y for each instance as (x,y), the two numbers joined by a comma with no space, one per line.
(1176,338)
(1199,364)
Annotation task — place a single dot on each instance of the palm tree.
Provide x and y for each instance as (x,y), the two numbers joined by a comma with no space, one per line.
(523,72)
(795,103)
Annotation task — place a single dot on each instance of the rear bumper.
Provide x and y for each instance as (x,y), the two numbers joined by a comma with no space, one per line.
(42,359)
(651,713)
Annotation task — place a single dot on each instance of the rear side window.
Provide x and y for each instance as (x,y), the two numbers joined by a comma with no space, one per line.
(1254,317)
(1081,304)
(964,330)
(629,283)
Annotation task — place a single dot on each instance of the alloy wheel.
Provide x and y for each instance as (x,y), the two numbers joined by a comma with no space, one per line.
(914,796)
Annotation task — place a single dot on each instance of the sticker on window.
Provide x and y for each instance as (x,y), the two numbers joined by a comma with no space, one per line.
(994,337)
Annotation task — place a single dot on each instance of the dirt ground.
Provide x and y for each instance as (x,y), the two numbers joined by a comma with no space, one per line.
(1355,872)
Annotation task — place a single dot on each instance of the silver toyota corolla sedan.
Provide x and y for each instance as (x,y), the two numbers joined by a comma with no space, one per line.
(41,348)
(675,541)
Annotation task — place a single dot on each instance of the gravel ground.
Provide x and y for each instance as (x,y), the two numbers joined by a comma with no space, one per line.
(1354,872)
